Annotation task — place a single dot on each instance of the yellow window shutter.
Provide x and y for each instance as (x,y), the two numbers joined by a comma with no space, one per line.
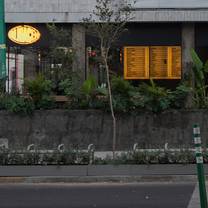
(174,62)
(158,62)
(136,62)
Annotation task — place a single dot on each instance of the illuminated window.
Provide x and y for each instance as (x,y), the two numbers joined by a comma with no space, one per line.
(156,62)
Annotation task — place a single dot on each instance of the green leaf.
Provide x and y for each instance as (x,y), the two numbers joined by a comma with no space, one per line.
(89,85)
(198,67)
(206,67)
(196,60)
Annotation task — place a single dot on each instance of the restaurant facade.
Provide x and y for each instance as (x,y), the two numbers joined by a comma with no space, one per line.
(156,45)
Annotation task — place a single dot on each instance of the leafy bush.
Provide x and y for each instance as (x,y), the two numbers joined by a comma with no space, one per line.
(180,96)
(89,86)
(121,86)
(40,89)
(12,157)
(156,99)
(71,86)
(18,105)
(200,77)
(2,103)
(88,95)
(2,86)
(126,97)
(156,157)
(46,102)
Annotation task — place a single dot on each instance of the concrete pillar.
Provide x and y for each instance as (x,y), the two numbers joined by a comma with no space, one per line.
(78,44)
(188,42)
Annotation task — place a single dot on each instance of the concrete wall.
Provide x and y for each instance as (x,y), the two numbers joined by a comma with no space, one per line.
(48,129)
(41,11)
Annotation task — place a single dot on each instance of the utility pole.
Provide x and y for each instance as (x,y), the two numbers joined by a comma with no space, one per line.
(2,41)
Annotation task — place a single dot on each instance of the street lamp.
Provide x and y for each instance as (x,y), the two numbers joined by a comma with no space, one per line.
(2,41)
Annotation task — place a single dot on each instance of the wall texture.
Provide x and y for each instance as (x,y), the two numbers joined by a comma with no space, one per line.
(48,129)
(73,11)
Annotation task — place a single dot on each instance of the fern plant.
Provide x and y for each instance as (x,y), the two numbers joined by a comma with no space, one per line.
(40,89)
(156,98)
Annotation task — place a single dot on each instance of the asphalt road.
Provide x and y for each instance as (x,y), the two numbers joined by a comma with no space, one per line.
(95,195)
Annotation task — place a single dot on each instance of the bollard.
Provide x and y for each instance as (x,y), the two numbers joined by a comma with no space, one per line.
(200,167)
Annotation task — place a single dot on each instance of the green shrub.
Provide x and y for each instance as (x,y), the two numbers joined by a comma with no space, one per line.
(121,86)
(71,86)
(179,96)
(89,86)
(40,90)
(2,103)
(19,105)
(84,96)
(156,99)
(2,86)
(46,102)
(200,71)
(126,97)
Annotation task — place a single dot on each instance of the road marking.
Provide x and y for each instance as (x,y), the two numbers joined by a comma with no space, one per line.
(195,200)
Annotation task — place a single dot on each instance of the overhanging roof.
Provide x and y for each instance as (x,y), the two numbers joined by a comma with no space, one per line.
(172,4)
(70,11)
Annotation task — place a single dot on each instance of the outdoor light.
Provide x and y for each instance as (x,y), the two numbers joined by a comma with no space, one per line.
(24,34)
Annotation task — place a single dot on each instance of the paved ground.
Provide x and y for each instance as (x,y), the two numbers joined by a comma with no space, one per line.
(96,195)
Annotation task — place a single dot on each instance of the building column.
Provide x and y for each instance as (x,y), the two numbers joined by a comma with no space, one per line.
(78,45)
(188,42)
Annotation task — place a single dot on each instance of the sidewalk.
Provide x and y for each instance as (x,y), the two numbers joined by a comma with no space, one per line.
(99,173)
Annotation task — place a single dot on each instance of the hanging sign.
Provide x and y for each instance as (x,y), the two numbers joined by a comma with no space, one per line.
(24,34)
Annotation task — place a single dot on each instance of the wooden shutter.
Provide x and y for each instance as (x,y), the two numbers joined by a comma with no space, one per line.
(136,62)
(174,62)
(158,62)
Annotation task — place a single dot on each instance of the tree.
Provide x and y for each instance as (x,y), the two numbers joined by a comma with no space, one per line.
(60,54)
(107,23)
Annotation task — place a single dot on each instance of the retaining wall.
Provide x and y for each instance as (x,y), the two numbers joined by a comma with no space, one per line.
(77,128)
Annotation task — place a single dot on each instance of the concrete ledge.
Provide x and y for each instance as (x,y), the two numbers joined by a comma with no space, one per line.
(97,170)
(99,173)
(102,179)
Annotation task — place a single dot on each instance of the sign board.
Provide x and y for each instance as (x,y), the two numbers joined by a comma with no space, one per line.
(136,62)
(155,62)
(158,62)
(175,62)
(24,34)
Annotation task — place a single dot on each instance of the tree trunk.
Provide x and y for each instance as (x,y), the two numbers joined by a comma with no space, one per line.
(111,104)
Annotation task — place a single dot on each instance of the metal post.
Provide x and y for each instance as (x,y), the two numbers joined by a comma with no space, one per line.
(2,41)
(200,167)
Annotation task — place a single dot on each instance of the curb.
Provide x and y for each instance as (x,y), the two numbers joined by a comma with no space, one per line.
(100,179)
